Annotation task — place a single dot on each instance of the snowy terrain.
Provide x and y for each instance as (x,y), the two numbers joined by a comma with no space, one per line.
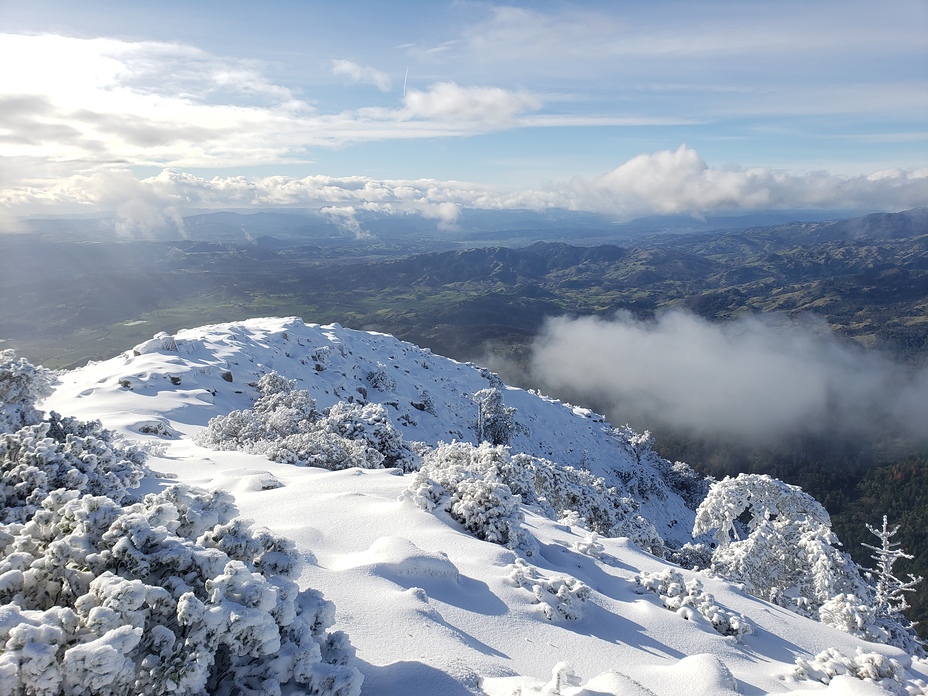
(429,607)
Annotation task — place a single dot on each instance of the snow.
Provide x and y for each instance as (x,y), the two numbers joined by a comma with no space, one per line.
(430,608)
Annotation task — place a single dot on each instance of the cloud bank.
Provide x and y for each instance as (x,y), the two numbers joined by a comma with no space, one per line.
(660,183)
(756,379)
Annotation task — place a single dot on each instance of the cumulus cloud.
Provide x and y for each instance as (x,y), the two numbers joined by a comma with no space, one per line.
(362,74)
(757,378)
(680,181)
(450,101)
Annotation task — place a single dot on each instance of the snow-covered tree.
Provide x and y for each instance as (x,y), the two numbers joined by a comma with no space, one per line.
(496,422)
(21,386)
(889,590)
(889,601)
(786,552)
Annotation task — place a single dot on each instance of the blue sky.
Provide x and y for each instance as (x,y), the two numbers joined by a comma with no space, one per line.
(620,107)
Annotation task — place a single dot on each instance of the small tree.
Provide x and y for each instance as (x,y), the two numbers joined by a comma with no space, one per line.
(889,590)
(495,421)
(889,599)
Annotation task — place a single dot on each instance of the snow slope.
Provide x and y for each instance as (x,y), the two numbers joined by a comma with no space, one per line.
(430,608)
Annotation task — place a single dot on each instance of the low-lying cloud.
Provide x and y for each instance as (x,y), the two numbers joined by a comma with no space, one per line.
(756,379)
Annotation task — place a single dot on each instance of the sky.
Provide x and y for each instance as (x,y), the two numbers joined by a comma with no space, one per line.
(426,108)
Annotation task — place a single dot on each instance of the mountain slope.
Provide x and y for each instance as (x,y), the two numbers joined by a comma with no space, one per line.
(430,608)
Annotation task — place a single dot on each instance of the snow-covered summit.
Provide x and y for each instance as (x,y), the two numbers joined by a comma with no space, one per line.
(203,372)
(429,605)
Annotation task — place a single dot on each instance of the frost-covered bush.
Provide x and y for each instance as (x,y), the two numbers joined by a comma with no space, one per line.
(872,667)
(21,386)
(464,480)
(684,481)
(285,426)
(590,546)
(101,593)
(786,552)
(560,597)
(63,453)
(556,491)
(691,556)
(171,594)
(684,598)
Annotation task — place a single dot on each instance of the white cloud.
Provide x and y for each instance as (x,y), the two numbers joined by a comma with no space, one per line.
(76,105)
(362,74)
(665,182)
(756,378)
(680,181)
(487,105)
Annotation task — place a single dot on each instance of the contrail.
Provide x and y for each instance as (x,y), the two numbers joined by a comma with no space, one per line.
(404,80)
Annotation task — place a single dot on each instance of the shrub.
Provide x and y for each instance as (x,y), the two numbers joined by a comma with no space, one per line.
(685,598)
(285,426)
(170,594)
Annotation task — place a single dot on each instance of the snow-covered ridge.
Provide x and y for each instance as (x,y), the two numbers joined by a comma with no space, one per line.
(213,370)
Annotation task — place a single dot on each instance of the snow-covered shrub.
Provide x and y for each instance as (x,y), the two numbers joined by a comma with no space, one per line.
(684,481)
(285,426)
(63,453)
(21,385)
(848,613)
(590,546)
(370,424)
(684,597)
(872,667)
(380,380)
(489,511)
(653,475)
(558,490)
(559,596)
(786,553)
(171,594)
(464,480)
(691,556)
